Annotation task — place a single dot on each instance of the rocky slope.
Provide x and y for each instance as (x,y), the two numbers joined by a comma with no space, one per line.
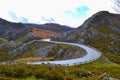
(27,32)
(102,31)
(12,31)
(11,50)
(48,30)
(44,33)
(54,27)
(18,41)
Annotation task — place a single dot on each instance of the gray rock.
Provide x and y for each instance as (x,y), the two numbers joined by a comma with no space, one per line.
(103,75)
(43,52)
(60,52)
(90,73)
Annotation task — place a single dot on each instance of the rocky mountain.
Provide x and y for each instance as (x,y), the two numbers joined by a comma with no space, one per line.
(102,31)
(48,30)
(27,32)
(20,41)
(12,31)
(54,27)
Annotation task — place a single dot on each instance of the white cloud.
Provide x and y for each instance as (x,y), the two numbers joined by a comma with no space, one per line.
(33,10)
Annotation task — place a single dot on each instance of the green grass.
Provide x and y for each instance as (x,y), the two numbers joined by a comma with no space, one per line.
(58,72)
(30,78)
(99,67)
(2,40)
(113,57)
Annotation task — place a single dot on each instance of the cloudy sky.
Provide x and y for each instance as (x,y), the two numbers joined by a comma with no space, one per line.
(66,12)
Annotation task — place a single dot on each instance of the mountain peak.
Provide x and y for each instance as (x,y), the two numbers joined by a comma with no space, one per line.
(102,31)
(102,13)
(102,18)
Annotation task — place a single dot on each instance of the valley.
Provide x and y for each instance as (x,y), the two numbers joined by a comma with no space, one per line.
(24,43)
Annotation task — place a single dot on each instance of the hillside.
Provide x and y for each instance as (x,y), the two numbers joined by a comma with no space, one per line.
(102,31)
(18,40)
(38,50)
(26,32)
(48,30)
(12,31)
(54,27)
(21,43)
(43,33)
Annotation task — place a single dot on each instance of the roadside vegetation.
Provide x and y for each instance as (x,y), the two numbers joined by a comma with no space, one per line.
(22,71)
(89,71)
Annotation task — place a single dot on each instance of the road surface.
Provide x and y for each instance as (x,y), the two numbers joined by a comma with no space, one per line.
(92,54)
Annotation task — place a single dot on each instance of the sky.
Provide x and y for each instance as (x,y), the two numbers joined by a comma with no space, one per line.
(65,12)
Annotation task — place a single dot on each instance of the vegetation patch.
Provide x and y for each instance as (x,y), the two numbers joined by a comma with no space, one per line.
(31,59)
(89,71)
(2,40)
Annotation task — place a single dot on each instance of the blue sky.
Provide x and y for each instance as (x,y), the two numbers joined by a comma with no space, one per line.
(66,12)
(79,13)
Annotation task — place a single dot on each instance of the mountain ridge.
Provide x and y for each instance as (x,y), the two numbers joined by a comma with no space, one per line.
(102,31)
(54,27)
(17,31)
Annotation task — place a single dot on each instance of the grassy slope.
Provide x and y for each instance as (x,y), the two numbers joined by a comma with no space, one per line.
(29,53)
(106,44)
(43,72)
(47,72)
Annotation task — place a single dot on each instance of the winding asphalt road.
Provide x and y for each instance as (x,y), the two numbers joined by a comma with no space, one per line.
(92,54)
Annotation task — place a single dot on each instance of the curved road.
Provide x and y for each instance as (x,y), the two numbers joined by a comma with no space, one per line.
(92,54)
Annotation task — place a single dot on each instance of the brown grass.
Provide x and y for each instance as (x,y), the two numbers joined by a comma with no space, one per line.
(43,33)
(29,59)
